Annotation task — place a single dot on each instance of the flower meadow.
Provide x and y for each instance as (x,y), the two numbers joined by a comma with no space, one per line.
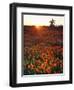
(43,50)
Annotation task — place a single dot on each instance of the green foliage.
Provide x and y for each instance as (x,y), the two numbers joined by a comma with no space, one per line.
(55,69)
(37,55)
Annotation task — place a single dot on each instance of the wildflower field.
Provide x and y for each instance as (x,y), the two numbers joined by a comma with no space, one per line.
(43,50)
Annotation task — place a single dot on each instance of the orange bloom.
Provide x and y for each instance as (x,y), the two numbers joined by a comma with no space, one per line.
(48,70)
(37,70)
(42,66)
(37,62)
(54,64)
(43,56)
(32,66)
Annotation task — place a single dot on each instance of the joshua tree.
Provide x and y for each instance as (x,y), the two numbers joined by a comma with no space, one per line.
(52,22)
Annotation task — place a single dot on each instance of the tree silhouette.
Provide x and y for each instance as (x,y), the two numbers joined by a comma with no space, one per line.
(52,22)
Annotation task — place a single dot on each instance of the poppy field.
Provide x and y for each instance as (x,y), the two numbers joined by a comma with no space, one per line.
(43,50)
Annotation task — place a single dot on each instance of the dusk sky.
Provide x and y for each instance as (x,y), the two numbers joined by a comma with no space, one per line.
(40,20)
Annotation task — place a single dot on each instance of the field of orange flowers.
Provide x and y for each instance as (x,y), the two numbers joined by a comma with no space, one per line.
(43,59)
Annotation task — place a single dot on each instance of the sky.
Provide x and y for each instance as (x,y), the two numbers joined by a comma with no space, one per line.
(40,20)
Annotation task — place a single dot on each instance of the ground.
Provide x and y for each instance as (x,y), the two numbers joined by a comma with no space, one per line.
(43,50)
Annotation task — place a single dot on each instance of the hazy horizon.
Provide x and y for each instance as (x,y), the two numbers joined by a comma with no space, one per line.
(43,25)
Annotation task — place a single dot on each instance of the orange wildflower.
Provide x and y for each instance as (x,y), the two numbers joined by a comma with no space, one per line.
(48,70)
(37,70)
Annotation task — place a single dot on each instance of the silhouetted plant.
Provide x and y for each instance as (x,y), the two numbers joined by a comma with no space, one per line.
(52,22)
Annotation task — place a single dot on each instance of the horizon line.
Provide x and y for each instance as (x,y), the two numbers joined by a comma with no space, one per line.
(42,25)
